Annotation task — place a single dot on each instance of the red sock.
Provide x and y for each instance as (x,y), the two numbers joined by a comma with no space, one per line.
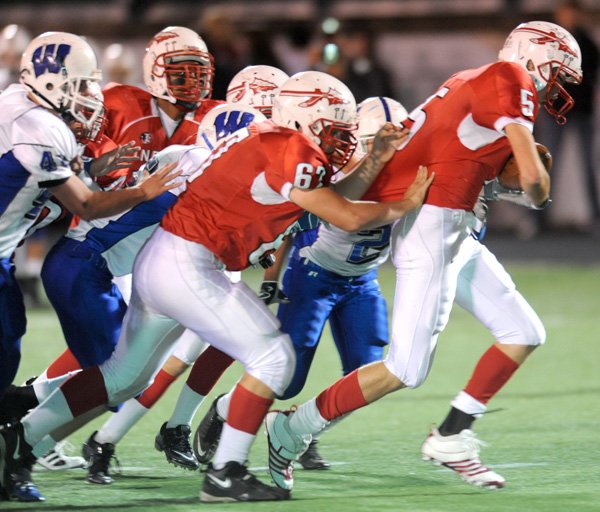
(491,373)
(152,393)
(64,363)
(207,370)
(85,391)
(247,410)
(341,398)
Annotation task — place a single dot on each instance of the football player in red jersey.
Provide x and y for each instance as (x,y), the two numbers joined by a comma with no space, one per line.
(237,208)
(464,133)
(178,73)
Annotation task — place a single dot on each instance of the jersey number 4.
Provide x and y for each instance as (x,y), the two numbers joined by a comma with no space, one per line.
(47,163)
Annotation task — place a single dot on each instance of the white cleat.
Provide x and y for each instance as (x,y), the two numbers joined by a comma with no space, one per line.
(285,447)
(57,460)
(460,453)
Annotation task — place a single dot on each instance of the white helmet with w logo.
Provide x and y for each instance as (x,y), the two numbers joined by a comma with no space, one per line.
(256,86)
(552,58)
(61,71)
(223,120)
(321,107)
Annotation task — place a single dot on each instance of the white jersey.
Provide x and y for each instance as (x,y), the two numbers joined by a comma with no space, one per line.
(36,148)
(120,237)
(349,254)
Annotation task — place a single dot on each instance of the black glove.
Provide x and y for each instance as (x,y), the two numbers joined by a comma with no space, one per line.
(271,294)
(267,260)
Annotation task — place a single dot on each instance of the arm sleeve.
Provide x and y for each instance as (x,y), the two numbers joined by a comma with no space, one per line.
(301,164)
(506,96)
(45,147)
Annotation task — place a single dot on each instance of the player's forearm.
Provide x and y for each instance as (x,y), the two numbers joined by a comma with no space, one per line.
(364,215)
(105,204)
(356,184)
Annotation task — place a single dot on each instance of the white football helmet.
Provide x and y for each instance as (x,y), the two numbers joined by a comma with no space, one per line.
(321,107)
(257,87)
(373,113)
(61,71)
(551,56)
(178,67)
(223,120)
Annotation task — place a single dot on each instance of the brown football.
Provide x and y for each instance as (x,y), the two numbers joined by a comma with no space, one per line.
(509,175)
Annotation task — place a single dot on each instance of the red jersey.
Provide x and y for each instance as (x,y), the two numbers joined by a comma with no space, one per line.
(237,203)
(132,114)
(459,134)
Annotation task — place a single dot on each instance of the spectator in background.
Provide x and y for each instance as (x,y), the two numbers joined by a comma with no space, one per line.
(13,41)
(119,64)
(229,46)
(570,15)
(363,74)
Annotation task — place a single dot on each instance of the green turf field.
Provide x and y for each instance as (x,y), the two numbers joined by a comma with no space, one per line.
(543,437)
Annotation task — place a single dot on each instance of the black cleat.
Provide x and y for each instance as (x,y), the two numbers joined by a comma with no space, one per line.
(235,483)
(175,442)
(208,434)
(16,461)
(311,458)
(99,457)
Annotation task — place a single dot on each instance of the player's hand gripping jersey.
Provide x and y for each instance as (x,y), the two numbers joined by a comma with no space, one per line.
(458,133)
(133,115)
(237,204)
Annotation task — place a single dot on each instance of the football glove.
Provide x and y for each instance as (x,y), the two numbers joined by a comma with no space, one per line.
(493,191)
(271,294)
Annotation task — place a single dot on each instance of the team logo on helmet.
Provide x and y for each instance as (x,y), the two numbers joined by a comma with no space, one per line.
(552,37)
(163,36)
(257,85)
(50,58)
(332,96)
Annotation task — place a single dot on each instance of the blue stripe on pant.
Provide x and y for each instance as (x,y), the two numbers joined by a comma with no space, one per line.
(356,310)
(12,324)
(89,306)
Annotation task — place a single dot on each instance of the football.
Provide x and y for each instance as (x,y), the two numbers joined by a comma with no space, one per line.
(509,175)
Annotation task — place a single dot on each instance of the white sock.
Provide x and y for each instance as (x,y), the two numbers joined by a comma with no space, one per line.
(316,436)
(115,428)
(186,407)
(46,417)
(467,404)
(234,446)
(223,404)
(43,388)
(307,419)
(44,446)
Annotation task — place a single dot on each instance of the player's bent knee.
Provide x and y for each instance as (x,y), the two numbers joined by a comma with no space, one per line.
(402,377)
(276,368)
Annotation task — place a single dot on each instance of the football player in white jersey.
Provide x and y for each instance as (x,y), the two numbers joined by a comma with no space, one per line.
(331,275)
(59,84)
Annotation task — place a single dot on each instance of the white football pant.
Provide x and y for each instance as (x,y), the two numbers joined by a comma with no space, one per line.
(179,284)
(437,262)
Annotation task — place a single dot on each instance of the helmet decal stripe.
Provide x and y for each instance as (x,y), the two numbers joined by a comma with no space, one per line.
(386,109)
